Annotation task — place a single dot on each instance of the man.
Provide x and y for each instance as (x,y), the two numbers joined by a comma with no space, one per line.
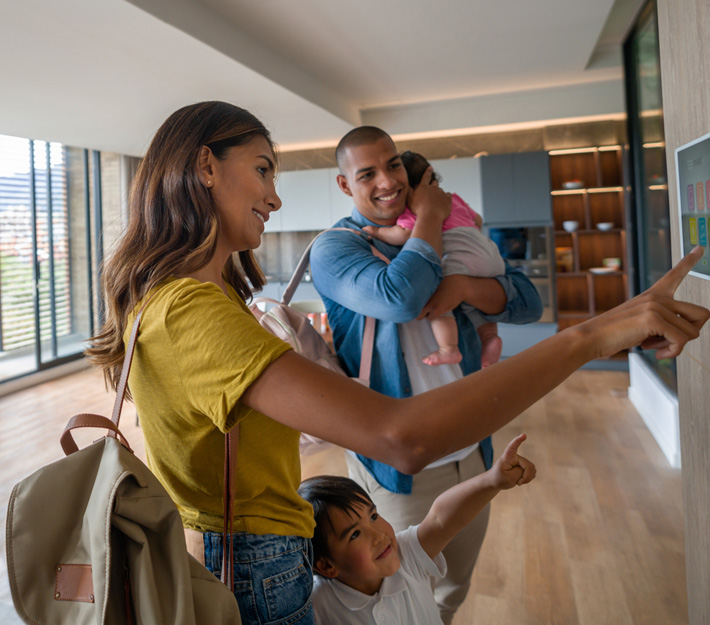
(353,284)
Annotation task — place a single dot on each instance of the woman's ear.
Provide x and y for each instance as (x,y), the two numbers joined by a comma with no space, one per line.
(325,567)
(205,166)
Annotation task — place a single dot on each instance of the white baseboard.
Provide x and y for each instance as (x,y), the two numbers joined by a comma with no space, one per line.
(658,407)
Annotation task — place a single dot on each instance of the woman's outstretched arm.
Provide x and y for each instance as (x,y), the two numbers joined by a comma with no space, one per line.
(410,433)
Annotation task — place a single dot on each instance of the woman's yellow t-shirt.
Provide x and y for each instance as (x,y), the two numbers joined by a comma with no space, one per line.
(197,353)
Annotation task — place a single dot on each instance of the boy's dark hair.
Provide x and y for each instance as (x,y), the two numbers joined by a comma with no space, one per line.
(324,492)
(416,165)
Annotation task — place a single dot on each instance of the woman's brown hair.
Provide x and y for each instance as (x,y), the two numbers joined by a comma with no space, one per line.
(173,223)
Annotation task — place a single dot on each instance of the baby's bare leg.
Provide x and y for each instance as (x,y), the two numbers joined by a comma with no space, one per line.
(447,337)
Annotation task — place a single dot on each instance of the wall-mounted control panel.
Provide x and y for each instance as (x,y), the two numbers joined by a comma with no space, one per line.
(693,175)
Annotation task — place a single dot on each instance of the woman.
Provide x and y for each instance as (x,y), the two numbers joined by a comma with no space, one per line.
(202,362)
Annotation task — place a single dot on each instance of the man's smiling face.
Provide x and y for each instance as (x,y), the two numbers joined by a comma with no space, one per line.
(373,175)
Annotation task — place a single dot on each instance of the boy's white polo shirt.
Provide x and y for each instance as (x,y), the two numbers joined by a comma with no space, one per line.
(404,598)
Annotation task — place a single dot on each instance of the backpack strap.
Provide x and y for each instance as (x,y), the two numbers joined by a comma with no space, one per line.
(368,335)
(231,441)
(89,420)
(127,361)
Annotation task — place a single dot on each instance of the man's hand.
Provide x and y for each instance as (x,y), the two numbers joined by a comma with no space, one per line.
(653,319)
(511,469)
(448,295)
(485,294)
(429,200)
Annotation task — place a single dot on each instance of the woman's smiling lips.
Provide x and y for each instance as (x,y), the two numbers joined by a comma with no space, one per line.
(264,217)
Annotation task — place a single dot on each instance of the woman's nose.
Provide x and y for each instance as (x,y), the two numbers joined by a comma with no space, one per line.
(273,201)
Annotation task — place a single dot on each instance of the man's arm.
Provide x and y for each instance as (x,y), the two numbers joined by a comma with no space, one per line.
(509,298)
(345,271)
(456,507)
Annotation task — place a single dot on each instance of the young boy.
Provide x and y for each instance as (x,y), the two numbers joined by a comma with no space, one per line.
(366,573)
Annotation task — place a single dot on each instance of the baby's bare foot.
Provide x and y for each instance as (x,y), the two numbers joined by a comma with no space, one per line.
(443,356)
(491,350)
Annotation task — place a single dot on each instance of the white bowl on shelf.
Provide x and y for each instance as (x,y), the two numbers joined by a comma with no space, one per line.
(605,225)
(570,226)
(570,185)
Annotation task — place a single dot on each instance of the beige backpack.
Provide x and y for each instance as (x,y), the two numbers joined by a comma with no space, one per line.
(95,539)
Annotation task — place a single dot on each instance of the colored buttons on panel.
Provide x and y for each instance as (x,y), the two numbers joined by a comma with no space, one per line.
(698,231)
(700,195)
(693,230)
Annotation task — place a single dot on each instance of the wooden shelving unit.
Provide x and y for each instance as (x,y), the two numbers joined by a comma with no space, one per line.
(582,293)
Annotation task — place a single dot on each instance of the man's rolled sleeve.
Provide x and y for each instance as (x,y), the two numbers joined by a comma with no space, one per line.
(523,301)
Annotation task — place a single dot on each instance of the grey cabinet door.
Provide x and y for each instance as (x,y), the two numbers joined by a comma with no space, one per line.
(516,188)
(497,188)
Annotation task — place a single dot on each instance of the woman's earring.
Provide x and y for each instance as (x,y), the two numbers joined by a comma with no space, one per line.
(209,183)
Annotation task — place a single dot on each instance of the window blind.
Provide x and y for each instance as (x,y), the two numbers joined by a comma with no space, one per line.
(27,244)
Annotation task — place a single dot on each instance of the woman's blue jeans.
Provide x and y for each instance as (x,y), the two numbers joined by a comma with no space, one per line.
(273,576)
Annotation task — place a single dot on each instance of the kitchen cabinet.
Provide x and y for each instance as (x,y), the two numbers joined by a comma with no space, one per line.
(306,198)
(516,189)
(463,177)
(585,287)
(311,200)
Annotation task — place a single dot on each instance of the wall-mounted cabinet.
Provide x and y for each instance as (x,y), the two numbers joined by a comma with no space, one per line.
(463,177)
(516,189)
(305,197)
(592,264)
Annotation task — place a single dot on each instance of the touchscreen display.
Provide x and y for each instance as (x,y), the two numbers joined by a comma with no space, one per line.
(693,175)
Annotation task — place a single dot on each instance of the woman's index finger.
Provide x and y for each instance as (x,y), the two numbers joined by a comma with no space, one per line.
(675,275)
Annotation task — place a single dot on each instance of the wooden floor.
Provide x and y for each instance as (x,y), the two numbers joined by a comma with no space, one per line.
(596,539)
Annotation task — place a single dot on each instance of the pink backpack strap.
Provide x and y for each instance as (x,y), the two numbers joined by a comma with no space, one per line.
(368,335)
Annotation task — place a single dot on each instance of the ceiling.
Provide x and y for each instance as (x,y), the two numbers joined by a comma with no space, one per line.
(104,74)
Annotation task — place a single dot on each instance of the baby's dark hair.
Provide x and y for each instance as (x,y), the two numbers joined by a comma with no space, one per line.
(416,165)
(324,492)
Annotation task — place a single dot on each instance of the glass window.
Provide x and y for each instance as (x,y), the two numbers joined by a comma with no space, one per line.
(51,244)
(647,152)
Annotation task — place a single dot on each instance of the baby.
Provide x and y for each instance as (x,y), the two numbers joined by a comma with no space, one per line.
(365,572)
(466,251)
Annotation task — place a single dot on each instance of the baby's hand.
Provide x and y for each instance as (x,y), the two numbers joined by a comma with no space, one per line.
(511,469)
(371,230)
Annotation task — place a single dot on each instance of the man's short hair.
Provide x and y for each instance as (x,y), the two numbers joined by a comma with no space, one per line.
(324,492)
(363,135)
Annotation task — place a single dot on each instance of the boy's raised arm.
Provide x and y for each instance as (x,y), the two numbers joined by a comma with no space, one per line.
(458,506)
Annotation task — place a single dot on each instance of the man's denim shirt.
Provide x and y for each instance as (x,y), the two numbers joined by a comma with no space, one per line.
(354,283)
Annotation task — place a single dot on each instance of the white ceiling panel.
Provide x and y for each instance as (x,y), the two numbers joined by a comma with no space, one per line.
(105,73)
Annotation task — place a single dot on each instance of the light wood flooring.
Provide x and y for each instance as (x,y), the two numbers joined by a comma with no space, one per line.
(596,539)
